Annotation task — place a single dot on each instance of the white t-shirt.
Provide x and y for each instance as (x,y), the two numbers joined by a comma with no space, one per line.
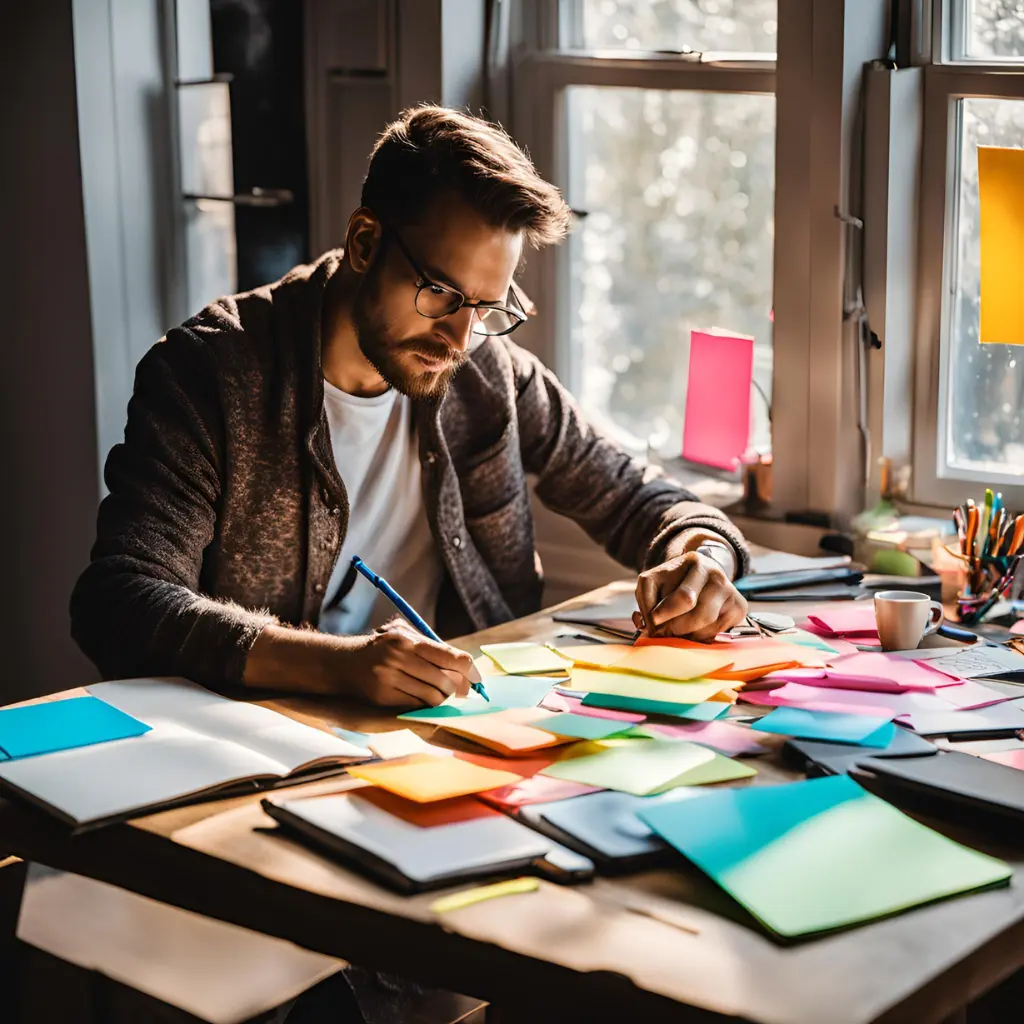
(376,452)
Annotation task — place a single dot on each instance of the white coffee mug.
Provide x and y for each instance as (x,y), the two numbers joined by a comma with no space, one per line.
(904,617)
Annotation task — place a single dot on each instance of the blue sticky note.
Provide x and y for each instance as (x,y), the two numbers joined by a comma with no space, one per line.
(517,691)
(862,730)
(63,724)
(358,739)
(583,727)
(707,711)
(811,856)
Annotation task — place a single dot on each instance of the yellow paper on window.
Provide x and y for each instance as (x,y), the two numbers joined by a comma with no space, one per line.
(1001,200)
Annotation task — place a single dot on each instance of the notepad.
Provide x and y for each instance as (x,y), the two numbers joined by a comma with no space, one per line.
(818,855)
(49,726)
(865,730)
(642,767)
(525,658)
(201,744)
(582,727)
(424,777)
(412,858)
(663,663)
(623,684)
(513,732)
(706,711)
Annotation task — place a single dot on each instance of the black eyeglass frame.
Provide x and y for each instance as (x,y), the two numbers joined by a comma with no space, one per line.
(517,314)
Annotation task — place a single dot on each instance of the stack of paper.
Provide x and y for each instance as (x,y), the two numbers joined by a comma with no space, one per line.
(819,855)
(512,732)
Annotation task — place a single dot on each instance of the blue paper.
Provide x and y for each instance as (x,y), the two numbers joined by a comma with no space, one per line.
(358,739)
(583,727)
(50,726)
(707,711)
(862,730)
(517,691)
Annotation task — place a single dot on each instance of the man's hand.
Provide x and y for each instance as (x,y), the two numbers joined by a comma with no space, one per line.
(394,666)
(690,595)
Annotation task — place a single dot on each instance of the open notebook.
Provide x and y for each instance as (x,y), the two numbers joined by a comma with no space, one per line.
(200,745)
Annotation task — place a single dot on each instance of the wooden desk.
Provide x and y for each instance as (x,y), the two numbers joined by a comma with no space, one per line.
(560,953)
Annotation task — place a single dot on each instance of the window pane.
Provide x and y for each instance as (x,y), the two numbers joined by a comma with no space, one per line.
(679,193)
(986,382)
(744,26)
(995,29)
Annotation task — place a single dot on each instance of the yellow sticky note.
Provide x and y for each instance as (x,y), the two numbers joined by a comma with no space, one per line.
(660,662)
(511,732)
(424,777)
(466,898)
(524,659)
(623,684)
(1001,200)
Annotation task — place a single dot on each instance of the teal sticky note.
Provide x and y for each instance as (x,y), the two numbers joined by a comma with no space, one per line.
(584,727)
(707,711)
(359,739)
(63,724)
(817,855)
(443,711)
(862,730)
(802,638)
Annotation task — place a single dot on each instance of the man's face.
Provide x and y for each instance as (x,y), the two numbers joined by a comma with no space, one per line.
(454,247)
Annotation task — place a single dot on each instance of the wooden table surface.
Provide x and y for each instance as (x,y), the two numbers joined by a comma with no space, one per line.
(589,952)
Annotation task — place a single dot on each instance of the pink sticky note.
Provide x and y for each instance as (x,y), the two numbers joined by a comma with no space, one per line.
(824,698)
(1011,758)
(731,740)
(869,671)
(969,694)
(846,618)
(575,705)
(538,790)
(716,428)
(1018,627)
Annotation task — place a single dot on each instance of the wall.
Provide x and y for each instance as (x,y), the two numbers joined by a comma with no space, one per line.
(48,457)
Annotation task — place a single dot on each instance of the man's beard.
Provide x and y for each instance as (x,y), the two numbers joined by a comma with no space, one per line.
(392,359)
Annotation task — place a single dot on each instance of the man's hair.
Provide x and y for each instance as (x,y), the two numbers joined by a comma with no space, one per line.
(432,151)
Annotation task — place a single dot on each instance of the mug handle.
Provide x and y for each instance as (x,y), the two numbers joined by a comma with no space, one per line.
(937,614)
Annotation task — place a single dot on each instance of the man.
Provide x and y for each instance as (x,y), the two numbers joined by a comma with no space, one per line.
(373,403)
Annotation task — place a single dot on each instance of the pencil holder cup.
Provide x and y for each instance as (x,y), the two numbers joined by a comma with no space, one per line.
(991,580)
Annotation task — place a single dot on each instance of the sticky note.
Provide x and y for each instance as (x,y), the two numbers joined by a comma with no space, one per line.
(53,725)
(515,731)
(842,618)
(706,711)
(538,790)
(1011,758)
(575,705)
(750,658)
(513,692)
(402,743)
(834,698)
(466,898)
(1001,212)
(716,425)
(863,730)
(870,670)
(623,684)
(812,856)
(424,777)
(525,658)
(731,740)
(671,663)
(357,739)
(455,709)
(639,767)
(582,727)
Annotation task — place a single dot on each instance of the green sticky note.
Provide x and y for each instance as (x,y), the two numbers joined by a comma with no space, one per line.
(524,659)
(643,767)
(443,711)
(832,726)
(802,638)
(584,727)
(707,711)
(818,855)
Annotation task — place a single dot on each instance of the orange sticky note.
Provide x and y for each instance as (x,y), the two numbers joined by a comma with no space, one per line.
(424,777)
(679,664)
(1001,202)
(750,658)
(506,731)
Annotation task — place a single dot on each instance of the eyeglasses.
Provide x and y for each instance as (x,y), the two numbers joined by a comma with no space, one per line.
(435,301)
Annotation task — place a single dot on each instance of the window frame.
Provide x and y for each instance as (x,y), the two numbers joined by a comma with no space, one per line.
(946,82)
(544,72)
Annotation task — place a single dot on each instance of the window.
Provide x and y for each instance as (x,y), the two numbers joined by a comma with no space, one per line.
(668,158)
(969,427)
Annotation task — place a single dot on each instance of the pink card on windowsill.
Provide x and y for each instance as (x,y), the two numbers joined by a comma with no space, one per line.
(716,427)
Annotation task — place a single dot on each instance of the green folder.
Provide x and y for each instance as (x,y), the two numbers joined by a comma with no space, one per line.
(819,855)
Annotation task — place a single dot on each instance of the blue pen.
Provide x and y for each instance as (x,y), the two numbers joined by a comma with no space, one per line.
(404,607)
